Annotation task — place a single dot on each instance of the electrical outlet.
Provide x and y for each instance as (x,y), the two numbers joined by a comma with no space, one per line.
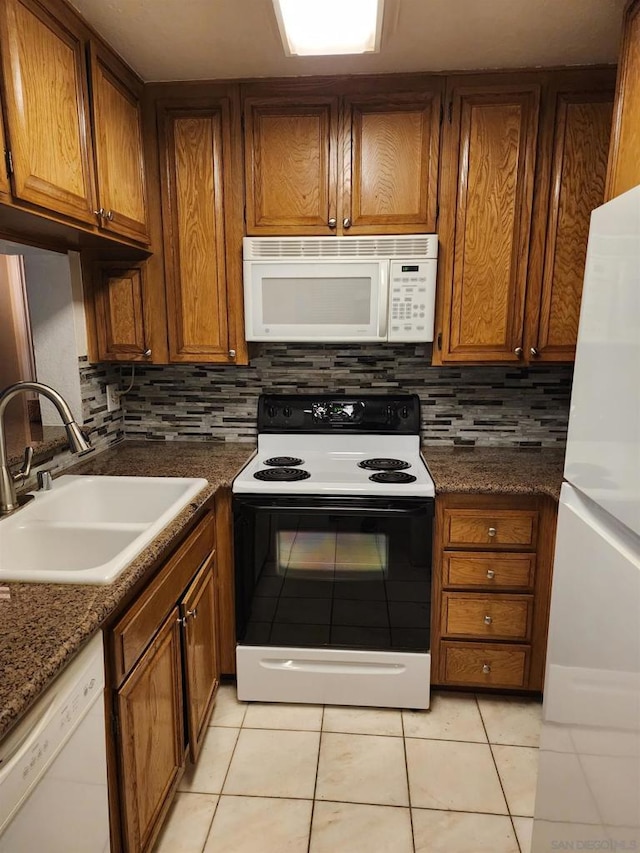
(113,397)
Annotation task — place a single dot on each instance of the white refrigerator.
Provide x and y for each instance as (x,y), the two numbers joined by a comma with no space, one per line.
(588,795)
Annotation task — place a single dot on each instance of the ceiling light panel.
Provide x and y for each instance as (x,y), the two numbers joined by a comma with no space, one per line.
(329,27)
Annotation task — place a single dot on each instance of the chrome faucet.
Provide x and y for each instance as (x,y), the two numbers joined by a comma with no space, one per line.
(78,440)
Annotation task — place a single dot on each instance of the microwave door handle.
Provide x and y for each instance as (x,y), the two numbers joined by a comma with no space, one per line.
(383,300)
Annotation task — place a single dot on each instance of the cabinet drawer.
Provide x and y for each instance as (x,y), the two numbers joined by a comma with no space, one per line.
(480,664)
(136,629)
(495,529)
(488,571)
(505,617)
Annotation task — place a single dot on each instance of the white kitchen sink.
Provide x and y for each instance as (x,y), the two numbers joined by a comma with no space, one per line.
(88,529)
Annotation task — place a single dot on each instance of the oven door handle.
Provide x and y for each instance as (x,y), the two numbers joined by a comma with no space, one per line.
(337,509)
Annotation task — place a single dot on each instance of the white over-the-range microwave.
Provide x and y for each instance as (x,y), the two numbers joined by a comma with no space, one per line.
(340,289)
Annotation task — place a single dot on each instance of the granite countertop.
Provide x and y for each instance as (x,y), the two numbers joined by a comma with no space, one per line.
(42,626)
(496,470)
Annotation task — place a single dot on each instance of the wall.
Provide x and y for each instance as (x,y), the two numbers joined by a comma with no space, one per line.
(460,405)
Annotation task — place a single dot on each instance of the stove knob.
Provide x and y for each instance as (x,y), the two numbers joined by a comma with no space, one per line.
(286,412)
(404,412)
(272,411)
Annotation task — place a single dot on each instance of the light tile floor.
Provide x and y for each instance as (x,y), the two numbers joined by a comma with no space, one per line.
(459,778)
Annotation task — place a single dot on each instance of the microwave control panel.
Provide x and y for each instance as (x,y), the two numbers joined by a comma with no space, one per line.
(412,292)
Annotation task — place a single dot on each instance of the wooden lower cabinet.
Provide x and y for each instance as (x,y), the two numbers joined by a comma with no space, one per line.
(491,588)
(151,734)
(164,673)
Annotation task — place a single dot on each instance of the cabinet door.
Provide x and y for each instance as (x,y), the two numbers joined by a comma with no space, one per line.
(390,163)
(5,185)
(291,165)
(579,165)
(489,151)
(201,658)
(194,199)
(46,97)
(119,306)
(151,735)
(117,122)
(624,156)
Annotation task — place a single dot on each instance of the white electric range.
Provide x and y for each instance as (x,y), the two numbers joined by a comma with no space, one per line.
(333,523)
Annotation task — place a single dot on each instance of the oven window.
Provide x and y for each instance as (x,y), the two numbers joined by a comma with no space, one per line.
(339,580)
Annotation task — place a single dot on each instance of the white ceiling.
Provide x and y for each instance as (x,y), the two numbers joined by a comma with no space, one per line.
(209,39)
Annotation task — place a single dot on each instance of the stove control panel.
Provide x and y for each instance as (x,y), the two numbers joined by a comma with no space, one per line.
(324,413)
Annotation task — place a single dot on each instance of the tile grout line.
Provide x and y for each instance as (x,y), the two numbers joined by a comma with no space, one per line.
(406,769)
(493,758)
(315,784)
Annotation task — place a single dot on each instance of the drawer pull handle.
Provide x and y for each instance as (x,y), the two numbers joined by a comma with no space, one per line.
(490,574)
(486,669)
(488,620)
(492,531)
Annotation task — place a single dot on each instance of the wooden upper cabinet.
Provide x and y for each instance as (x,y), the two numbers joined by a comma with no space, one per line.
(5,184)
(46,102)
(624,156)
(290,165)
(489,152)
(582,129)
(390,176)
(117,123)
(118,290)
(202,222)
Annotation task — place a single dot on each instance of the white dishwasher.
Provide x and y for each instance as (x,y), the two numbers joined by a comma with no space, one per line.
(53,767)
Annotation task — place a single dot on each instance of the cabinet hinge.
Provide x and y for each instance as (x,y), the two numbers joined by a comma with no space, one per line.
(450,110)
(439,341)
(8,159)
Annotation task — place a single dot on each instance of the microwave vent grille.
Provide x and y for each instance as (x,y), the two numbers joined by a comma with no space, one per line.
(310,248)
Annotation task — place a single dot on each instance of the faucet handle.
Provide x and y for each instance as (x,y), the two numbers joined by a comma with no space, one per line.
(45,482)
(24,472)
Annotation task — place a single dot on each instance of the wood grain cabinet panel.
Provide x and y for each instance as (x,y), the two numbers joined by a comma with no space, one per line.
(117,122)
(489,154)
(500,528)
(5,184)
(152,735)
(391,163)
(290,162)
(462,570)
(624,157)
(46,88)
(484,665)
(118,290)
(487,617)
(201,657)
(194,195)
(579,164)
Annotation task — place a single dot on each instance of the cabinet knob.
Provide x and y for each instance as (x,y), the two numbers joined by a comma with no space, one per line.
(534,352)
(147,353)
(492,531)
(490,574)
(109,215)
(519,352)
(486,669)
(232,353)
(488,620)
(99,212)
(346,222)
(333,222)
(192,614)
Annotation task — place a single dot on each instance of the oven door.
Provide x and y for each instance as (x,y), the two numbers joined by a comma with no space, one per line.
(343,573)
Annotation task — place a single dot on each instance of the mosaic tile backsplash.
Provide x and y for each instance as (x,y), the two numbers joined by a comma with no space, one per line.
(460,405)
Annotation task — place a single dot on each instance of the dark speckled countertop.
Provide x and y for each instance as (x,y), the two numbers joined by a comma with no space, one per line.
(43,626)
(496,470)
